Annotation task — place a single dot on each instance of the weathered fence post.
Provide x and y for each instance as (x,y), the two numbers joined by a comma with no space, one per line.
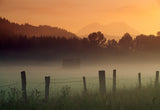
(23,78)
(114,80)
(84,83)
(139,80)
(157,78)
(47,82)
(102,81)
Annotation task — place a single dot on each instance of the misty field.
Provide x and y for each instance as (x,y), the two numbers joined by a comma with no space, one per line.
(67,91)
(127,76)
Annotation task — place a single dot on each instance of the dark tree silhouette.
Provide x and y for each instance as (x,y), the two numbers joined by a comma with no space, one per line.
(112,44)
(158,33)
(97,39)
(147,43)
(126,41)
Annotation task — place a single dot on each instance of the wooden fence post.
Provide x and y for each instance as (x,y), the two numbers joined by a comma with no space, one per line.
(84,83)
(47,82)
(139,80)
(157,78)
(23,78)
(114,80)
(102,81)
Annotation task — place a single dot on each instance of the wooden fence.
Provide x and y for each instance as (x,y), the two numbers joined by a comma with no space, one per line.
(102,83)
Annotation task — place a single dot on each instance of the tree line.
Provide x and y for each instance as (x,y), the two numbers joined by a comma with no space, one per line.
(95,43)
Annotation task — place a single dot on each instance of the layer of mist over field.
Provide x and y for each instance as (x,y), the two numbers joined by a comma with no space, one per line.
(127,74)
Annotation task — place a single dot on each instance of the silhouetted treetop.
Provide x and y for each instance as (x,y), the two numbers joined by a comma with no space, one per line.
(97,39)
(112,44)
(158,33)
(126,41)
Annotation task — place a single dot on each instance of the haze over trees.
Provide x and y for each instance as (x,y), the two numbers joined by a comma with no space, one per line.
(48,47)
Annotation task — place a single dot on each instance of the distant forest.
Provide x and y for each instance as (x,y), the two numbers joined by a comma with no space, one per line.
(17,46)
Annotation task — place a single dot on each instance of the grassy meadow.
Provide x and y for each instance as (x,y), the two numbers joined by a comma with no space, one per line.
(146,98)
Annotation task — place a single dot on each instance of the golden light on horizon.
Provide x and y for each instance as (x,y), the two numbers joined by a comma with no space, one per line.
(143,15)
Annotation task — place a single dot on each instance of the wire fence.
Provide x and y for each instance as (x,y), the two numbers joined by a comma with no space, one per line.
(77,83)
(56,86)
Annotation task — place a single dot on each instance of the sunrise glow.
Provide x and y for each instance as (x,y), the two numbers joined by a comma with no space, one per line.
(143,15)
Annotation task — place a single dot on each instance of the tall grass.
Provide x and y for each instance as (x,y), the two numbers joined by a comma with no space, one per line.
(147,98)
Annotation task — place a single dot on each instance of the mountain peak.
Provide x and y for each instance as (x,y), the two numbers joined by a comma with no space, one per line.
(116,29)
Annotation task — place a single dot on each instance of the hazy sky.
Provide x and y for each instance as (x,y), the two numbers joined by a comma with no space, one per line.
(143,15)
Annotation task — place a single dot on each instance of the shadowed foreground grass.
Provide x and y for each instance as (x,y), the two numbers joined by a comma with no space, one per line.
(147,98)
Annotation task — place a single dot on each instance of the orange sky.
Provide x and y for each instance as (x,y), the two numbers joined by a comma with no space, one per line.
(143,15)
